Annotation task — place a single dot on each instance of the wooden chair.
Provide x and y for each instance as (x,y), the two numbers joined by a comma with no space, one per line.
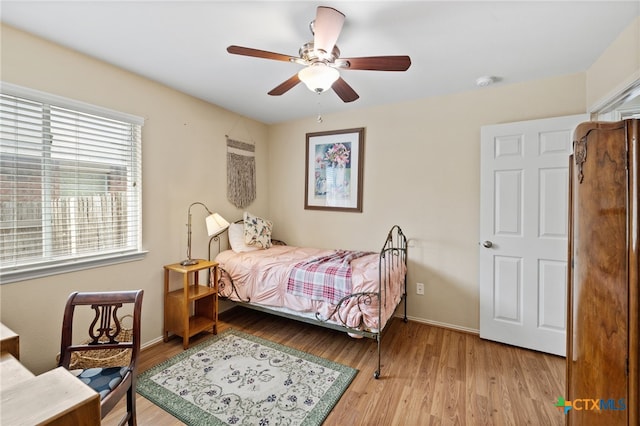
(112,382)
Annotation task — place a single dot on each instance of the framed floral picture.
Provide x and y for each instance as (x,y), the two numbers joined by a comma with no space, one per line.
(334,169)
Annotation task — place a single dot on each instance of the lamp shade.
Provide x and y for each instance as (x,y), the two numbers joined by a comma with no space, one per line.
(216,224)
(318,77)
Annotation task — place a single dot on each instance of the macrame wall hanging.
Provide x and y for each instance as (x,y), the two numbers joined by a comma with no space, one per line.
(241,173)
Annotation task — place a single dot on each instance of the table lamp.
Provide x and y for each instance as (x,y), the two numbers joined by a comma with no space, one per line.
(216,224)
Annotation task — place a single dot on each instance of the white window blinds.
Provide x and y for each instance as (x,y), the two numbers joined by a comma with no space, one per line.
(69,184)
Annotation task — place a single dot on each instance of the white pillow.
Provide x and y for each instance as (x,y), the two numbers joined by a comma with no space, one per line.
(257,231)
(236,239)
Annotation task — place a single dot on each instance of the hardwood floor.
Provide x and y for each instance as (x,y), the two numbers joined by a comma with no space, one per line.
(430,375)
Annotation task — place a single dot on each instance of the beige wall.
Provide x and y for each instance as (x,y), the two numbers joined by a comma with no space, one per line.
(184,157)
(422,168)
(421,172)
(616,68)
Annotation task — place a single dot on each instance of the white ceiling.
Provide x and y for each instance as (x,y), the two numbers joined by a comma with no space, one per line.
(183,44)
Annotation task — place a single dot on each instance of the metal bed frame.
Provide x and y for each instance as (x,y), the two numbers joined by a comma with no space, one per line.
(392,253)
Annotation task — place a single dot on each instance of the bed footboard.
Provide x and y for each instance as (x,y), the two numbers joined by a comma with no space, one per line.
(393,256)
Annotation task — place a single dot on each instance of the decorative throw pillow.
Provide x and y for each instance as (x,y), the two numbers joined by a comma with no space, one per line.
(236,239)
(257,231)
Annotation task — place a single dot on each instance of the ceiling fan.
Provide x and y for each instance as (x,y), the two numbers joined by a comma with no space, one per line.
(321,58)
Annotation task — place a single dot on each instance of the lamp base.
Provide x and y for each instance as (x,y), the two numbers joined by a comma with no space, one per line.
(189,262)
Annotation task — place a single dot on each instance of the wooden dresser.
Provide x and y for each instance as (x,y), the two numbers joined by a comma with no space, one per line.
(604,259)
(9,341)
(55,397)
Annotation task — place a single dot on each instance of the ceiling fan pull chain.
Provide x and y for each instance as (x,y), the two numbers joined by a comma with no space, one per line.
(319,119)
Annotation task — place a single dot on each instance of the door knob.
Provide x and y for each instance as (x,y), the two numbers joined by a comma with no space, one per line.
(487,244)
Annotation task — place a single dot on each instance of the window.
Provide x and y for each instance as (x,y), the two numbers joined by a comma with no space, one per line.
(69,185)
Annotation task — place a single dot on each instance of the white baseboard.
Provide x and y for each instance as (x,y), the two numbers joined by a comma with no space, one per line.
(443,325)
(151,342)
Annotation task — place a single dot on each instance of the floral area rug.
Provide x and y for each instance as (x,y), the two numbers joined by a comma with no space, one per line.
(238,379)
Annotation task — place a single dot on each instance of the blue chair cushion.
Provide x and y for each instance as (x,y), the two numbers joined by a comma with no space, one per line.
(102,380)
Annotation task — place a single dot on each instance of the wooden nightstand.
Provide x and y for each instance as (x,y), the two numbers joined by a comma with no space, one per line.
(178,316)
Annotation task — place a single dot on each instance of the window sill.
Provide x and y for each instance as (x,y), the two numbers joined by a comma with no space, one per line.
(8,275)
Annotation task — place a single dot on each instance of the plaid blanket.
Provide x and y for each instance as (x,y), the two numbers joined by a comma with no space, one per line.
(325,278)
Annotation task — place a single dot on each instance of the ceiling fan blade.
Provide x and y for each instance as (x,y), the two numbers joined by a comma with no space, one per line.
(344,91)
(284,87)
(378,63)
(257,53)
(326,28)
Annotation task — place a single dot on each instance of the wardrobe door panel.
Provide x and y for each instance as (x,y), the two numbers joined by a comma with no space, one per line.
(597,362)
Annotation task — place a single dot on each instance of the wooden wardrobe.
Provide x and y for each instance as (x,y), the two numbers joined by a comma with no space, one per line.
(604,263)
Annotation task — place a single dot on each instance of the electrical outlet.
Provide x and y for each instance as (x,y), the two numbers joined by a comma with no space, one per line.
(419,288)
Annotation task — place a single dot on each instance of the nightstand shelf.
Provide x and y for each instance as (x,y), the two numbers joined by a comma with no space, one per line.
(193,292)
(193,308)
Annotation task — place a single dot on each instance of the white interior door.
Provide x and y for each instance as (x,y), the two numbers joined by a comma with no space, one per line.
(524,182)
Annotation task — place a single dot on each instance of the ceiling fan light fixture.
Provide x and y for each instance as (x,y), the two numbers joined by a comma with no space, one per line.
(318,77)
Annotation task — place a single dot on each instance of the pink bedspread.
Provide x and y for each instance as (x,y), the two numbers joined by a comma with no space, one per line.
(262,276)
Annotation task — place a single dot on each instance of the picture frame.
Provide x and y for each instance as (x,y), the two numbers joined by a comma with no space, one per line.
(334,170)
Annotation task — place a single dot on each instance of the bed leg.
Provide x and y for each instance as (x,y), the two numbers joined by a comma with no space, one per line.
(376,374)
(405,319)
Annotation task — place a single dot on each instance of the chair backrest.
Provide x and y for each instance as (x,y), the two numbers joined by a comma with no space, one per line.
(105,330)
